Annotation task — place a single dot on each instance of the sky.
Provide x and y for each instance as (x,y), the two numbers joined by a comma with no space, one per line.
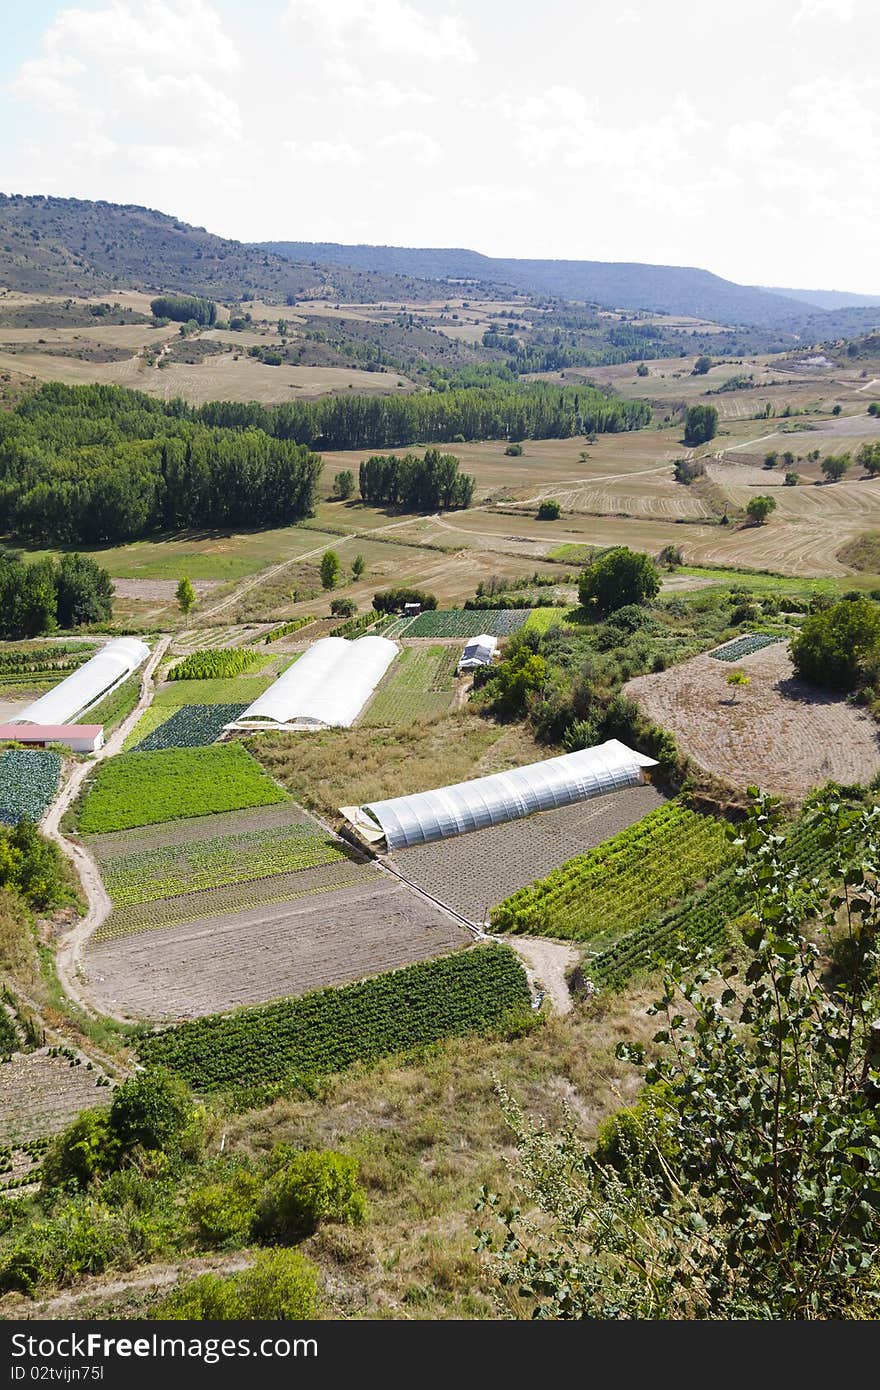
(741,138)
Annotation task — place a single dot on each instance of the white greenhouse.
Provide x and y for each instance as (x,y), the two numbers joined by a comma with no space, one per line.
(88,684)
(404,821)
(326,688)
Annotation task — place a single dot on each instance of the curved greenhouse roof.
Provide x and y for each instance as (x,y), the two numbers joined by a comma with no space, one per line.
(326,688)
(404,821)
(83,687)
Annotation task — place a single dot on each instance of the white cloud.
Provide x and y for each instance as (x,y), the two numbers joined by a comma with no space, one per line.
(842,11)
(412,144)
(386,96)
(388,26)
(629,16)
(491,195)
(321,153)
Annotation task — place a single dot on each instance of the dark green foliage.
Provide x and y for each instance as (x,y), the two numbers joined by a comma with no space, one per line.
(343,607)
(838,646)
(150,1110)
(280,1286)
(549,510)
(415,484)
(395,600)
(514,451)
(90,464)
(306,1189)
(86,1150)
(329,569)
(36,598)
(759,508)
(84,592)
(700,424)
(28,782)
(185,308)
(31,865)
(702,365)
(213,663)
(329,1030)
(834,466)
(688,470)
(191,726)
(619,577)
(343,484)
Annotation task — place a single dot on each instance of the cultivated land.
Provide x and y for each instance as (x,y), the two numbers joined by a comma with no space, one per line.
(40,1094)
(269,952)
(471,873)
(780,734)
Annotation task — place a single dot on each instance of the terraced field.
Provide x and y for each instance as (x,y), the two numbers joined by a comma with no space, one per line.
(40,1094)
(471,873)
(268,952)
(420,685)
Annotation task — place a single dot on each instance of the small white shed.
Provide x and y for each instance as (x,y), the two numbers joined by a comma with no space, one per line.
(480,651)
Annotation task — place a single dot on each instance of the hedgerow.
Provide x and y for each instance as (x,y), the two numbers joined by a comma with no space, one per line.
(331,1029)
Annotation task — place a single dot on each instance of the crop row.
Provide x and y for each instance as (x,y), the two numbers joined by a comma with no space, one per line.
(285,629)
(420,685)
(176,869)
(191,726)
(355,625)
(146,788)
(622,882)
(702,918)
(28,782)
(331,1029)
(744,646)
(214,663)
(234,898)
(59,657)
(459,622)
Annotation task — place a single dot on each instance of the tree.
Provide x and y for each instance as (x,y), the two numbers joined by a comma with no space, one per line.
(874,408)
(737,680)
(619,577)
(834,467)
(688,470)
(836,645)
(186,596)
(752,1186)
(150,1110)
(670,557)
(759,508)
(343,607)
(395,600)
(343,484)
(792,479)
(771,459)
(702,365)
(329,569)
(642,369)
(836,409)
(306,1189)
(700,424)
(549,510)
(358,565)
(868,458)
(514,451)
(84,591)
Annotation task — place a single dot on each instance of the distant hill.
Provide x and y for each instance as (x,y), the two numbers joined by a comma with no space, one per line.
(73,246)
(679,290)
(826,299)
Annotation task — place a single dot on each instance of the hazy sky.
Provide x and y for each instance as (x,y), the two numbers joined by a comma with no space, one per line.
(744,138)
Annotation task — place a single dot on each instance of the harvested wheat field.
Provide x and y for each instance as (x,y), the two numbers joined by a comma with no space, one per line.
(268,952)
(781,734)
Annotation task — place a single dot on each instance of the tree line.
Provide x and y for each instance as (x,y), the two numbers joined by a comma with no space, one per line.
(92,464)
(185,308)
(416,484)
(42,596)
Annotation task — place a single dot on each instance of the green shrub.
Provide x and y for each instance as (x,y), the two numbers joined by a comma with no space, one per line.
(549,510)
(307,1189)
(87,1149)
(223,1212)
(151,1110)
(280,1286)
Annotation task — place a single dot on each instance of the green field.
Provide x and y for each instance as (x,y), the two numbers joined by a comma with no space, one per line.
(191,726)
(470,991)
(146,788)
(420,685)
(235,690)
(28,782)
(626,881)
(459,622)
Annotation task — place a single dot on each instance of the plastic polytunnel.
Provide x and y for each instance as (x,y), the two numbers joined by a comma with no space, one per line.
(85,686)
(404,821)
(326,688)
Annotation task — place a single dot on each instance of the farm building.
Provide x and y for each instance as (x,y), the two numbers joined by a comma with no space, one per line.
(479,651)
(85,686)
(404,821)
(327,688)
(80,738)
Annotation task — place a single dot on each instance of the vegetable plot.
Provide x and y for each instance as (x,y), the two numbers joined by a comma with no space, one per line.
(146,788)
(460,622)
(420,685)
(28,782)
(164,873)
(191,726)
(215,664)
(623,882)
(745,645)
(328,1030)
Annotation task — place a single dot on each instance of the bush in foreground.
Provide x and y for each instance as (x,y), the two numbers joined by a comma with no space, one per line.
(280,1286)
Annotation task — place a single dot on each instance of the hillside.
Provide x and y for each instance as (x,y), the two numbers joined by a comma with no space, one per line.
(678,290)
(826,299)
(73,246)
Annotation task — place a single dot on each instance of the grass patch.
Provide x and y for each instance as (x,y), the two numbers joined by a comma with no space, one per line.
(146,788)
(116,706)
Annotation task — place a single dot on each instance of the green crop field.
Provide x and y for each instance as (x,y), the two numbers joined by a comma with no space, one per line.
(235,690)
(470,991)
(598,897)
(191,726)
(190,868)
(420,685)
(460,622)
(211,663)
(146,788)
(28,781)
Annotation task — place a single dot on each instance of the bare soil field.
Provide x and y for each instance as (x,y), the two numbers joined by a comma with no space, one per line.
(781,734)
(471,873)
(270,952)
(40,1094)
